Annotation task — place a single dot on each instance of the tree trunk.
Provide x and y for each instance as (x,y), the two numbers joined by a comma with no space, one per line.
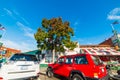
(53,56)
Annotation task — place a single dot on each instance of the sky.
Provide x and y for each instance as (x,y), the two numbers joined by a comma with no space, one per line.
(90,19)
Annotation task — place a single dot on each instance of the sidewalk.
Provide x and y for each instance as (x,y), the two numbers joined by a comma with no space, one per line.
(42,75)
(43,70)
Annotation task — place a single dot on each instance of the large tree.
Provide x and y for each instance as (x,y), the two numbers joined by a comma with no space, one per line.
(54,35)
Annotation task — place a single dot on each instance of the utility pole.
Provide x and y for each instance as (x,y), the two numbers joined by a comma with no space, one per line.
(1,45)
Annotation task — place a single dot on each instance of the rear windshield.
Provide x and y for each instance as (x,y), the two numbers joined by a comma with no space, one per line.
(23,57)
(97,60)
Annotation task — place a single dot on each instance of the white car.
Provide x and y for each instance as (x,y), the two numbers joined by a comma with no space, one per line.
(20,66)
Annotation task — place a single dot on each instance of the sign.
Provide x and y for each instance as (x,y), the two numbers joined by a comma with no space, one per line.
(116,40)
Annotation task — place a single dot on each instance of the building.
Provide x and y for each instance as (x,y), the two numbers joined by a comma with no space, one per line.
(105,52)
(107,42)
(7,52)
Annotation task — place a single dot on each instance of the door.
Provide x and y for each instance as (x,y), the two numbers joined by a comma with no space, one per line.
(68,66)
(58,66)
(82,64)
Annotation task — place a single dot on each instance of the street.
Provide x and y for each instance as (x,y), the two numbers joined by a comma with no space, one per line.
(44,77)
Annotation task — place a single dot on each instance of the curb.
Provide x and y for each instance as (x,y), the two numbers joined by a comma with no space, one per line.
(42,73)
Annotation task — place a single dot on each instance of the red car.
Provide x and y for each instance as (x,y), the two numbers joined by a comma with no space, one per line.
(78,67)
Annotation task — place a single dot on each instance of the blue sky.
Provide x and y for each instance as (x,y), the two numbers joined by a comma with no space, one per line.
(90,20)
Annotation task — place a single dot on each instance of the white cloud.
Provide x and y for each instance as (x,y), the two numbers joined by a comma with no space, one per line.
(89,43)
(19,16)
(114,14)
(76,23)
(23,46)
(113,17)
(15,15)
(25,20)
(8,11)
(78,39)
(27,31)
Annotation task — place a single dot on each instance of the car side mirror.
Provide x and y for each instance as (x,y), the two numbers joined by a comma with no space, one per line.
(107,66)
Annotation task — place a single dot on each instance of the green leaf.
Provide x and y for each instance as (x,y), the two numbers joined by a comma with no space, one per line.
(54,35)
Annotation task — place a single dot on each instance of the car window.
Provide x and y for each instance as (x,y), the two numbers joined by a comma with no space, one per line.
(96,60)
(69,60)
(60,61)
(22,57)
(81,60)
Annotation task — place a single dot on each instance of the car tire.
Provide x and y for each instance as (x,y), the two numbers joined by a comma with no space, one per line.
(49,73)
(77,77)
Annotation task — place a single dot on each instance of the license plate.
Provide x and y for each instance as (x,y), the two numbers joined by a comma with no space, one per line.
(24,68)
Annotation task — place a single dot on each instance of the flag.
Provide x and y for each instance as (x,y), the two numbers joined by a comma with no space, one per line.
(116,22)
(2,28)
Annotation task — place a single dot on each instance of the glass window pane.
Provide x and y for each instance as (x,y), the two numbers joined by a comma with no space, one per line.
(69,61)
(61,60)
(81,60)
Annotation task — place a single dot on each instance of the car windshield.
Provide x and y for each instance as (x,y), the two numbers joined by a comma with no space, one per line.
(97,60)
(23,57)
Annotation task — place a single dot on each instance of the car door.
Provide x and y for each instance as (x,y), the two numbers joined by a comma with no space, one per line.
(68,66)
(82,65)
(58,66)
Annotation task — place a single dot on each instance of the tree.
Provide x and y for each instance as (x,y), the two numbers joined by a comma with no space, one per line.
(54,35)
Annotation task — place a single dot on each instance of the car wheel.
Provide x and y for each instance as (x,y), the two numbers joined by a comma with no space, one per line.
(77,77)
(50,73)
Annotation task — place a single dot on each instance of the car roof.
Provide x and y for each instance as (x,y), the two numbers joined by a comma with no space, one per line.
(24,54)
(75,55)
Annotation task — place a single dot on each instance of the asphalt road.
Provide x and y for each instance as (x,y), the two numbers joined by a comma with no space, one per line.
(44,77)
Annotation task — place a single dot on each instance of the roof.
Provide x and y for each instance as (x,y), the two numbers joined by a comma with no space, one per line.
(82,54)
(32,52)
(86,46)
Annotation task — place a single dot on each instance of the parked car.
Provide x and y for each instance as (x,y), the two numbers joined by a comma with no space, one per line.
(79,67)
(19,66)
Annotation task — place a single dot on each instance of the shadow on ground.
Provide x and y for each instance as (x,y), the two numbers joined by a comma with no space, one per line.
(60,77)
(56,77)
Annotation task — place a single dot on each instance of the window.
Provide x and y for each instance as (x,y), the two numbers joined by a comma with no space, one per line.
(61,60)
(81,60)
(96,60)
(23,57)
(69,60)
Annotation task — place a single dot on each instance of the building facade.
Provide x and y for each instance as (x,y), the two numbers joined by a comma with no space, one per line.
(7,52)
